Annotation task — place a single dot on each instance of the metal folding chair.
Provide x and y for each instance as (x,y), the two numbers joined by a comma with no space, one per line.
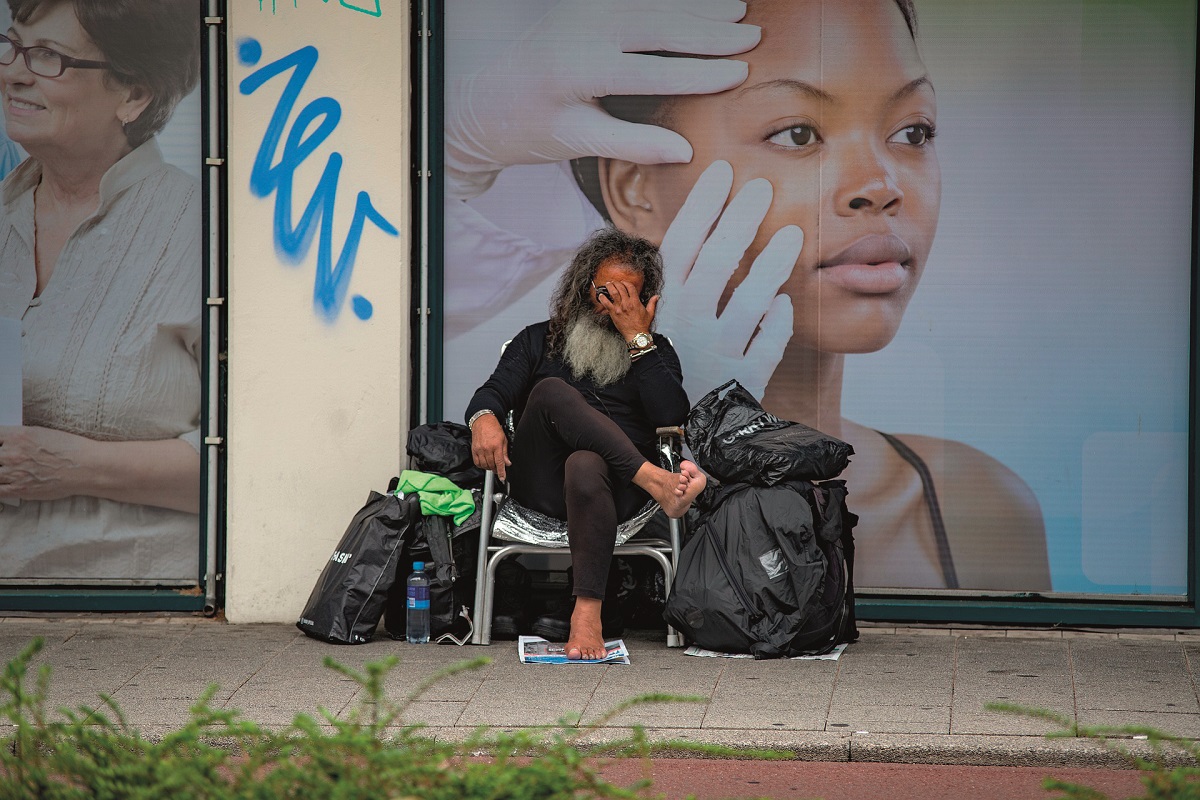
(508,529)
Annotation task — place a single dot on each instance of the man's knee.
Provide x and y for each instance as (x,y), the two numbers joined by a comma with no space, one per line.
(586,475)
(551,393)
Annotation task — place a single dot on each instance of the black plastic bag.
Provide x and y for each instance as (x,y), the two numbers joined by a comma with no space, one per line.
(734,439)
(768,572)
(444,448)
(347,602)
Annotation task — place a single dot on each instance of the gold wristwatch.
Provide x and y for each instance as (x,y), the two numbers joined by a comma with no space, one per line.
(640,342)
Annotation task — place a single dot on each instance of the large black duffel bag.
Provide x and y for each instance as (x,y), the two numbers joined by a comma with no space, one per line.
(769,571)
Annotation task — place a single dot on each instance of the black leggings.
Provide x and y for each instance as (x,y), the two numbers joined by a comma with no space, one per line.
(570,461)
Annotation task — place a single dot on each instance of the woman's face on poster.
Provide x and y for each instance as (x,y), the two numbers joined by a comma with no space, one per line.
(68,113)
(838,113)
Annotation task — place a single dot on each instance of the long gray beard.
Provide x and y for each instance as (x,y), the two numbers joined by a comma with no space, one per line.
(594,349)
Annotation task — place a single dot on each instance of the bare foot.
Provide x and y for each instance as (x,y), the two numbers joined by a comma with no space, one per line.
(674,491)
(586,639)
(691,484)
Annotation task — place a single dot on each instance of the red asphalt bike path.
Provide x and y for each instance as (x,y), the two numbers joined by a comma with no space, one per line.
(714,779)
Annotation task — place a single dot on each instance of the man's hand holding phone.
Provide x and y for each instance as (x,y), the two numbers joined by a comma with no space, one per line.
(625,308)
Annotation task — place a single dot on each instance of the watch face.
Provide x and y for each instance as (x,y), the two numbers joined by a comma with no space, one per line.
(641,340)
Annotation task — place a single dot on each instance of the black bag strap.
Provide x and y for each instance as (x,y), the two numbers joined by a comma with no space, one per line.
(437,536)
(734,582)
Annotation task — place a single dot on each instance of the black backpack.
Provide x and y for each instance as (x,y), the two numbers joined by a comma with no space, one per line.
(769,571)
(444,448)
(449,552)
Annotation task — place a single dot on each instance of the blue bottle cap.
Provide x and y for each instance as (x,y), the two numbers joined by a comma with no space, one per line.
(418,566)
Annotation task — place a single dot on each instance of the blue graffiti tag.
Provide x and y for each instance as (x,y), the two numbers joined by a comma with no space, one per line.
(292,239)
(372,12)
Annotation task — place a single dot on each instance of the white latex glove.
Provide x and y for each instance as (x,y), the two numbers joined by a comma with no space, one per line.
(538,102)
(712,348)
(488,268)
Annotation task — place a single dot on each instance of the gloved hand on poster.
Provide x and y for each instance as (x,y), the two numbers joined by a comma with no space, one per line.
(714,348)
(539,102)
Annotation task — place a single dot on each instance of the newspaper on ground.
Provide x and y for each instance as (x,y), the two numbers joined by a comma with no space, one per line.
(536,650)
(832,655)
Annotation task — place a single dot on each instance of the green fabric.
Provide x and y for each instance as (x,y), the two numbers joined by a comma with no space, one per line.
(438,495)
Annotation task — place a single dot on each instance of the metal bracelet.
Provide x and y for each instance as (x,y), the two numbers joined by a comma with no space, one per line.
(634,355)
(481,413)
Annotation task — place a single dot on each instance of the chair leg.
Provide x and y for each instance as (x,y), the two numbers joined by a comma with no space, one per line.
(485,591)
(483,606)
(483,617)
(668,567)
(675,526)
(483,625)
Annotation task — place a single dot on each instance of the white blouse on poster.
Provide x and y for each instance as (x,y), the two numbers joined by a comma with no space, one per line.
(112,353)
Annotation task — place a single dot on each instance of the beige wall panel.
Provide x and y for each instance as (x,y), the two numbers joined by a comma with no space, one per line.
(318,385)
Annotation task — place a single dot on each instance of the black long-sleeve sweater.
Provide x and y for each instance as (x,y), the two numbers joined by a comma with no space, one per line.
(650,395)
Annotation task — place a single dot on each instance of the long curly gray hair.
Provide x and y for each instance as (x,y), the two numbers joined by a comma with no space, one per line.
(573,294)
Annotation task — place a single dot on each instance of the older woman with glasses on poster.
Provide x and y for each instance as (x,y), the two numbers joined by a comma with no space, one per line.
(100,250)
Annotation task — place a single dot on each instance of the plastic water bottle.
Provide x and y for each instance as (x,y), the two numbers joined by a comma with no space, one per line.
(417,627)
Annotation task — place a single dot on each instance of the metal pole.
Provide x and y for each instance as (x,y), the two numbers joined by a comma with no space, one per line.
(212,438)
(424,172)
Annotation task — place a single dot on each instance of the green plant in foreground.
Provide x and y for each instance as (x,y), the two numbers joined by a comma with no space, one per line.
(217,755)
(1171,771)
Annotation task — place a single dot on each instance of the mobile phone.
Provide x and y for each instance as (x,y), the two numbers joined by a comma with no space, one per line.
(603,291)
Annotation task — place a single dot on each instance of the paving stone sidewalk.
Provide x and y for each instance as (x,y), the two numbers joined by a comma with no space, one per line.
(900,694)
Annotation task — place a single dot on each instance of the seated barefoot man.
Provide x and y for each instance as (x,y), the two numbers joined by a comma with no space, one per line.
(589,387)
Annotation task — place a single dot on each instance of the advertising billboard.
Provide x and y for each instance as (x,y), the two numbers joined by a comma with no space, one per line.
(101,270)
(955,235)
